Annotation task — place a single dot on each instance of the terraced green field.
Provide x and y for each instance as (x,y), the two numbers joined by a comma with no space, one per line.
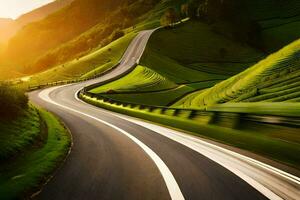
(162,97)
(142,79)
(145,86)
(173,69)
(274,79)
(193,52)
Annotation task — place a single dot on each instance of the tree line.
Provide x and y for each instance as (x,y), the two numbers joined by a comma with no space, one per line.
(233,13)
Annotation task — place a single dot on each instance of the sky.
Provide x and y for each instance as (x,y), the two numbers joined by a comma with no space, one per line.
(14,8)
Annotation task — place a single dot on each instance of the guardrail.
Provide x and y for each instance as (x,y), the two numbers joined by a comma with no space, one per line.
(233,120)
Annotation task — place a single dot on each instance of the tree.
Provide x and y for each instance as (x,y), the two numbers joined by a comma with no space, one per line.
(170,17)
(193,7)
(117,34)
(184,10)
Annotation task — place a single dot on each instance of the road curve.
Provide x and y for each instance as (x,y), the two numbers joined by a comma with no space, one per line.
(118,157)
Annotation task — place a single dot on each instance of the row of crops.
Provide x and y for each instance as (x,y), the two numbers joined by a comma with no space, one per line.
(274,79)
(145,86)
(142,79)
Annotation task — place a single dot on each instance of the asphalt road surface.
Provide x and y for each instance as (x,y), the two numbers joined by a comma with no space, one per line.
(119,157)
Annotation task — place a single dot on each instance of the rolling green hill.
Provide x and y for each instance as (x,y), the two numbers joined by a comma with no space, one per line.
(141,79)
(96,62)
(59,38)
(177,61)
(203,51)
(96,59)
(274,79)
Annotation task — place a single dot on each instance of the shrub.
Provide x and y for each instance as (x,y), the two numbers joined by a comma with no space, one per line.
(12,101)
(117,34)
(169,18)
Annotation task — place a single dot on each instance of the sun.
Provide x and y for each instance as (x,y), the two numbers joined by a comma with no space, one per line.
(14,8)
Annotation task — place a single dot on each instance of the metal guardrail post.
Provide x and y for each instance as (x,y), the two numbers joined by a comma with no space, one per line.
(177,112)
(192,114)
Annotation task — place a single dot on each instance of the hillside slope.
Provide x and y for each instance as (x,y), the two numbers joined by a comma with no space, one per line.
(199,53)
(4,22)
(266,24)
(8,29)
(88,54)
(37,38)
(177,63)
(274,79)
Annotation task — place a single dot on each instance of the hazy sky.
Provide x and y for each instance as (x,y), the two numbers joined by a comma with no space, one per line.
(15,8)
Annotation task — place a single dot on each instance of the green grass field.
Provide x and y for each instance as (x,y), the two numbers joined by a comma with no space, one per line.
(160,98)
(191,49)
(290,109)
(31,149)
(145,86)
(274,79)
(141,79)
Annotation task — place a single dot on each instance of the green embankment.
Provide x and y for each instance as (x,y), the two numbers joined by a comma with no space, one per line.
(274,79)
(141,79)
(160,98)
(145,86)
(290,109)
(32,146)
(26,130)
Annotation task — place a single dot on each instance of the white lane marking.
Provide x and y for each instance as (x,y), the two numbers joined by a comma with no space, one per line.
(167,175)
(264,182)
(271,187)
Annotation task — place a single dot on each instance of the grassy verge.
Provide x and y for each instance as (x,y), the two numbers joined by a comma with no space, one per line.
(27,170)
(260,108)
(19,133)
(269,141)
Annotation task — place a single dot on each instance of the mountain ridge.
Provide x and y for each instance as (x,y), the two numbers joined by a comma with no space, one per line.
(9,26)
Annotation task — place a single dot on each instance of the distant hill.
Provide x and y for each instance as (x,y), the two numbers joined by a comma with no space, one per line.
(87,25)
(4,22)
(36,39)
(9,27)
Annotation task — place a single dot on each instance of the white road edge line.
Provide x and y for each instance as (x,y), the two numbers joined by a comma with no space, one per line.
(182,139)
(167,175)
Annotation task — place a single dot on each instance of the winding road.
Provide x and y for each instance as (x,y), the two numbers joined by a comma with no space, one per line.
(119,157)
